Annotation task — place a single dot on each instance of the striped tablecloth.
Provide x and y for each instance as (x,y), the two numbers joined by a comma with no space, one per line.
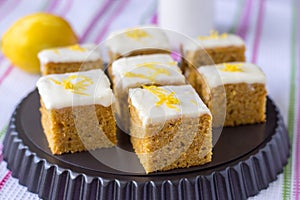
(269,27)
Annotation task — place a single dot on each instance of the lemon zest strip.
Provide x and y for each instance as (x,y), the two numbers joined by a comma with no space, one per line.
(152,75)
(75,87)
(136,33)
(163,97)
(193,102)
(213,35)
(228,67)
(76,47)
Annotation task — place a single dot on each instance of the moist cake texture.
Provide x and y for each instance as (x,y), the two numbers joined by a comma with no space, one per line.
(170,127)
(235,89)
(76,111)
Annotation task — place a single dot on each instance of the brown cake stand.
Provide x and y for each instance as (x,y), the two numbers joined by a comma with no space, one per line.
(245,160)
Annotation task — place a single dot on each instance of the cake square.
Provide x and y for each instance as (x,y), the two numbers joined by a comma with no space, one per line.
(70,59)
(238,88)
(76,111)
(135,71)
(213,49)
(170,127)
(137,41)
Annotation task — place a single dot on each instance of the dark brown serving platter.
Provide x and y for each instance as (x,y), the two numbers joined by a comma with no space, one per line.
(245,160)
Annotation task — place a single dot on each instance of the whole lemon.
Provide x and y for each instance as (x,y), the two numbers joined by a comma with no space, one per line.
(33,33)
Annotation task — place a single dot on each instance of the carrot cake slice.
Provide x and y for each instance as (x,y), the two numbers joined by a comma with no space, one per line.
(170,127)
(213,49)
(70,59)
(137,41)
(238,88)
(135,71)
(76,111)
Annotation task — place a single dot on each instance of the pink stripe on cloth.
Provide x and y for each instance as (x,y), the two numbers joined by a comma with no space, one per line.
(11,6)
(1,2)
(242,29)
(154,18)
(259,24)
(114,15)
(99,14)
(5,179)
(6,73)
(67,7)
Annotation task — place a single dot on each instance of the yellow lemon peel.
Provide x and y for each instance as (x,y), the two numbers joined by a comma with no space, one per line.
(76,84)
(164,97)
(136,33)
(213,35)
(193,102)
(152,75)
(55,51)
(172,63)
(76,47)
(228,67)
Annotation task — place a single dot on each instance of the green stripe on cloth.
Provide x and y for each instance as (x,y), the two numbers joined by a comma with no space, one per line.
(237,15)
(3,131)
(291,114)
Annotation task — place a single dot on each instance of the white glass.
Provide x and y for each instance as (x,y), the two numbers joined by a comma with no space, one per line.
(190,17)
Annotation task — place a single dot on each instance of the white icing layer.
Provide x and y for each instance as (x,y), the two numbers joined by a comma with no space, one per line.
(216,76)
(119,42)
(190,105)
(134,64)
(229,40)
(87,52)
(55,96)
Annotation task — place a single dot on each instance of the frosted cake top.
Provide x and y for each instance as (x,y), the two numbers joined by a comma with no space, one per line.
(214,40)
(157,104)
(75,89)
(231,73)
(73,53)
(137,38)
(147,69)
